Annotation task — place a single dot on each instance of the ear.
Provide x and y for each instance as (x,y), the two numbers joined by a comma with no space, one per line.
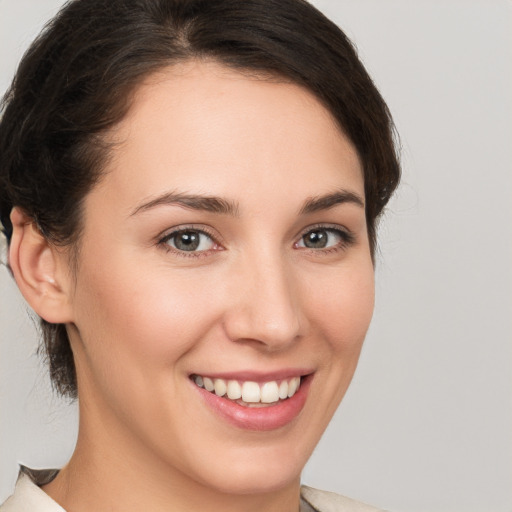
(40,270)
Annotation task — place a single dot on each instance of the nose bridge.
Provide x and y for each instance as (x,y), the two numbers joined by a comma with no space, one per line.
(266,307)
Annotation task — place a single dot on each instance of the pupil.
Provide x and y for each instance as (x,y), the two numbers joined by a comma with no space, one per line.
(316,239)
(187,241)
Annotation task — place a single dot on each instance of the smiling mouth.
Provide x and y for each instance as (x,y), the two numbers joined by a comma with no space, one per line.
(250,393)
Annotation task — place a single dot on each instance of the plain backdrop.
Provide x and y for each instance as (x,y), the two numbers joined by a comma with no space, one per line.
(427,422)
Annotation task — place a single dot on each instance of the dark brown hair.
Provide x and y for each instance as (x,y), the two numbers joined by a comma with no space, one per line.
(76,80)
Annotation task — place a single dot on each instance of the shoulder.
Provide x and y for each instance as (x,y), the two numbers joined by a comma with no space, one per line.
(324,501)
(29,496)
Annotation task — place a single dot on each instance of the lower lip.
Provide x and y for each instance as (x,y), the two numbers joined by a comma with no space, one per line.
(258,418)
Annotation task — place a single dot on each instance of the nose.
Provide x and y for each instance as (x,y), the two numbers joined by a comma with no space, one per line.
(265,305)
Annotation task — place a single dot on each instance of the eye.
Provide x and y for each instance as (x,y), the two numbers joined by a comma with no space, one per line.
(189,240)
(324,238)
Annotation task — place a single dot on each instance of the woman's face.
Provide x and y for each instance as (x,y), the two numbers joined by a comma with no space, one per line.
(226,243)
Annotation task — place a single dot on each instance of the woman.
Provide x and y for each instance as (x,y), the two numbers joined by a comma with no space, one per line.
(190,191)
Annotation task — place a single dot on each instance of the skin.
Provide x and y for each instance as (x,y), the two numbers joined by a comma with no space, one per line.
(143,316)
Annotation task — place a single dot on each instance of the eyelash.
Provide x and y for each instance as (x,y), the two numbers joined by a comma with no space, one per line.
(346,236)
(163,241)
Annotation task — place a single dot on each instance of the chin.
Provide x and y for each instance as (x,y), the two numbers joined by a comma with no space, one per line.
(258,471)
(258,479)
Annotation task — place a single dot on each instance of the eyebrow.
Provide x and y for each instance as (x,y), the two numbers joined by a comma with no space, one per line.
(223,206)
(193,201)
(328,201)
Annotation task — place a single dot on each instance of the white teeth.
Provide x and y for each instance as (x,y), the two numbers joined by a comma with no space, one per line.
(220,387)
(234,390)
(293,386)
(269,392)
(250,392)
(208,384)
(283,390)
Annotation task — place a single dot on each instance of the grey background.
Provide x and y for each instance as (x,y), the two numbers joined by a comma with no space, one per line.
(427,422)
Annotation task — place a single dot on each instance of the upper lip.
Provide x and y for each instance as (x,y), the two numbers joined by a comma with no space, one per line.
(255,376)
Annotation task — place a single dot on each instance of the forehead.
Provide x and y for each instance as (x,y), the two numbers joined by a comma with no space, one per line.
(203,127)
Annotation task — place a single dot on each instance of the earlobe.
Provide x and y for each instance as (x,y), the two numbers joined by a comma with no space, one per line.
(40,270)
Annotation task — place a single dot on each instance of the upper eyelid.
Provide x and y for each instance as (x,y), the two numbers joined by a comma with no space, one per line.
(348,237)
(165,236)
(334,227)
(168,233)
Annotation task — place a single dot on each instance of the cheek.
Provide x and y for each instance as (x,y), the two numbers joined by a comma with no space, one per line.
(343,307)
(132,327)
(340,305)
